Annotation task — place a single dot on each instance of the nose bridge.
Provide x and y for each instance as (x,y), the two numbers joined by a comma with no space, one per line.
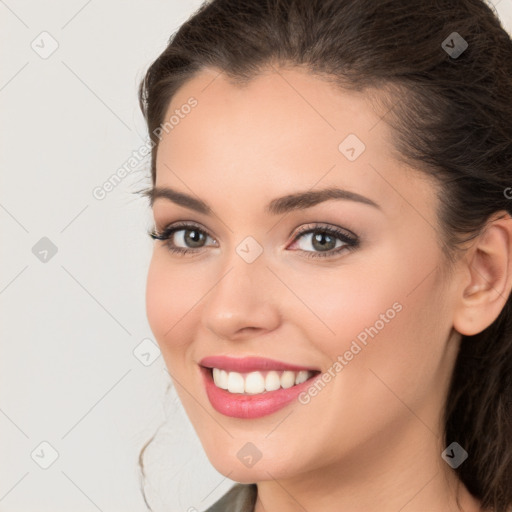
(240,298)
(246,269)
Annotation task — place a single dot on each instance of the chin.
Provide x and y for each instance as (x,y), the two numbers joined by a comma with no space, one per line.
(235,469)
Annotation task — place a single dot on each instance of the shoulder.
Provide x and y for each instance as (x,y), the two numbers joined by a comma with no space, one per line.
(240,498)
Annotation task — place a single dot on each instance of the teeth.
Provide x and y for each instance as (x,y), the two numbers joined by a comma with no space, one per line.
(254,383)
(258,382)
(221,378)
(235,382)
(302,376)
(272,381)
(287,379)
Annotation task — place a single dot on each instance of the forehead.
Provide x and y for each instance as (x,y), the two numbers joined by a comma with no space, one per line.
(278,109)
(283,130)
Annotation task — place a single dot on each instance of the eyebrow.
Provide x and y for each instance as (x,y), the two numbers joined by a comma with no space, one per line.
(295,201)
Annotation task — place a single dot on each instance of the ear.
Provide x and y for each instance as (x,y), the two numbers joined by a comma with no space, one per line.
(487,280)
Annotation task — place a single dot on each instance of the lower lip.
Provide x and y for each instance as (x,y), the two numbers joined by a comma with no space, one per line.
(237,405)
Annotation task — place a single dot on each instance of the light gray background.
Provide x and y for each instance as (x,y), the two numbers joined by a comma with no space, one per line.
(70,325)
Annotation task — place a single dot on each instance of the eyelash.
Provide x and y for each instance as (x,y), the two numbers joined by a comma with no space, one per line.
(351,242)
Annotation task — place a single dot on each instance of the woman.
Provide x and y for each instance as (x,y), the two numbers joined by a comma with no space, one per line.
(331,279)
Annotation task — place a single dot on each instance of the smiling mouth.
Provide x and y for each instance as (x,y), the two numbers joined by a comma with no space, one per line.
(258,382)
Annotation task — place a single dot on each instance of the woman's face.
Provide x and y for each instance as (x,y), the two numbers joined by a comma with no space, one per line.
(264,279)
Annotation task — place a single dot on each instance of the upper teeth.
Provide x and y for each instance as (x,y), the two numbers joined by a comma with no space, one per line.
(258,382)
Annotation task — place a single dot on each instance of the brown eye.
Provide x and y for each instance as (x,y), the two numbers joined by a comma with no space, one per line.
(191,237)
(183,238)
(325,241)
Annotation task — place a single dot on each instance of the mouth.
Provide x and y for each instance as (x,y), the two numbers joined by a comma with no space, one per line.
(253,387)
(257,382)
(254,375)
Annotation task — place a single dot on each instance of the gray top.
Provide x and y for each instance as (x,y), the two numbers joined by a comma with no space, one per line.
(240,498)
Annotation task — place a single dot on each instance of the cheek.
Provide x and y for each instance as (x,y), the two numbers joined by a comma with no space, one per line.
(391,327)
(385,312)
(170,298)
(353,302)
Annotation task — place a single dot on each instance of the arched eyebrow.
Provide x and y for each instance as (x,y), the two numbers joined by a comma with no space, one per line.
(280,205)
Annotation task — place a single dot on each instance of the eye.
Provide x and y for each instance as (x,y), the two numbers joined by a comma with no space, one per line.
(182,238)
(326,241)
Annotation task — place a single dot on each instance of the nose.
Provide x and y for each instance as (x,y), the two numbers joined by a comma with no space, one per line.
(243,302)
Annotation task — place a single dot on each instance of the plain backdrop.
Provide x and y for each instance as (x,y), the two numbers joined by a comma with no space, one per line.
(82,384)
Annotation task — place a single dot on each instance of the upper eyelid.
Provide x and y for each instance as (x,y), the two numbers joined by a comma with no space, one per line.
(179,225)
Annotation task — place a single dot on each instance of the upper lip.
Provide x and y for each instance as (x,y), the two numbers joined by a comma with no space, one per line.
(249,364)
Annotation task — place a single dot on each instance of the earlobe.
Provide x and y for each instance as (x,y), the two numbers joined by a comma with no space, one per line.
(488,277)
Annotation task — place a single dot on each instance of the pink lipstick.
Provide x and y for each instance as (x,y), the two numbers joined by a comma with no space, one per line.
(290,379)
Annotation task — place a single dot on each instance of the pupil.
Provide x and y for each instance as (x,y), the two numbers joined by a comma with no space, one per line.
(195,237)
(317,239)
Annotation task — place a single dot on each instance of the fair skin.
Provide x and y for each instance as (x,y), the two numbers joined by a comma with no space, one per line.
(371,440)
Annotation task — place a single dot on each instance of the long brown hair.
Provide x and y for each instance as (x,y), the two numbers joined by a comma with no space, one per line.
(452,119)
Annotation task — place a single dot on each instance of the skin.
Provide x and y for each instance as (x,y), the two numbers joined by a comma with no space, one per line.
(372,438)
